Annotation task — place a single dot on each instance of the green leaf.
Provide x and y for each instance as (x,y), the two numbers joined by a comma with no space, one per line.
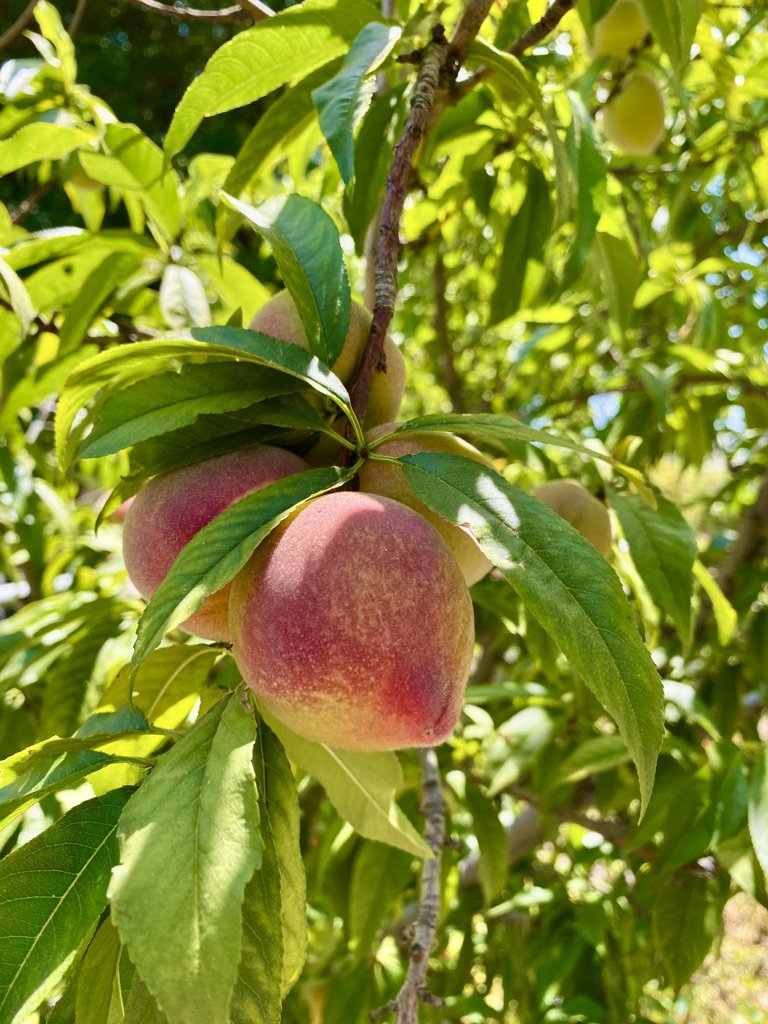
(306,245)
(673,24)
(98,288)
(342,100)
(60,763)
(663,548)
(726,616)
(19,296)
(220,550)
(622,273)
(98,991)
(167,401)
(758,810)
(588,175)
(505,432)
(599,754)
(141,1008)
(525,239)
(282,811)
(361,786)
(491,841)
(135,164)
(128,363)
(189,842)
(687,918)
(49,20)
(261,59)
(40,141)
(183,301)
(272,135)
(564,582)
(52,892)
(379,874)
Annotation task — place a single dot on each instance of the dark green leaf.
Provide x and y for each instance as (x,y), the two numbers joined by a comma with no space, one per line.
(341,101)
(663,548)
(525,239)
(564,583)
(52,892)
(491,841)
(687,918)
(379,874)
(306,245)
(189,842)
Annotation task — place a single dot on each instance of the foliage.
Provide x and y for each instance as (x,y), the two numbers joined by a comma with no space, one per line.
(573,312)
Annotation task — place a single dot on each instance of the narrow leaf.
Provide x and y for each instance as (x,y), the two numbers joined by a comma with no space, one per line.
(183,301)
(221,549)
(52,892)
(492,844)
(565,584)
(726,617)
(663,548)
(39,141)
(380,873)
(20,301)
(341,101)
(306,245)
(687,918)
(189,844)
(361,786)
(98,288)
(261,59)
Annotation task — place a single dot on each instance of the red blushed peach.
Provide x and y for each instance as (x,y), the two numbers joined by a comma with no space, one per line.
(353,625)
(167,513)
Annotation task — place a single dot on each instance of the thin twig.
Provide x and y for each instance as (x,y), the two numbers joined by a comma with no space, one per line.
(12,34)
(414,989)
(388,246)
(26,206)
(470,24)
(253,9)
(77,18)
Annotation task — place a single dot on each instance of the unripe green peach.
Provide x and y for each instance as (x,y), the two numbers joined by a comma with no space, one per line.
(389,480)
(622,28)
(633,120)
(279,318)
(581,509)
(167,513)
(353,625)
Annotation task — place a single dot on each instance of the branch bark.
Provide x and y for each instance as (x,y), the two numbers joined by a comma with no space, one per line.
(12,34)
(254,9)
(414,989)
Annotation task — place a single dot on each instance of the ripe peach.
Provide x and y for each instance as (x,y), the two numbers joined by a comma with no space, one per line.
(353,625)
(167,513)
(580,508)
(389,480)
(279,318)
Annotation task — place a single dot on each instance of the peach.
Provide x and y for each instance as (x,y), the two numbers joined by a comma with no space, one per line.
(581,509)
(167,513)
(279,318)
(352,624)
(622,28)
(633,120)
(389,480)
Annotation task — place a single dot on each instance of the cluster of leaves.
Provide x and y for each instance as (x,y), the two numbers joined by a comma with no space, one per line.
(570,312)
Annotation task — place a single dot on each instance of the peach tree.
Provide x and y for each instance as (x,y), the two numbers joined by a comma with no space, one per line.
(284,769)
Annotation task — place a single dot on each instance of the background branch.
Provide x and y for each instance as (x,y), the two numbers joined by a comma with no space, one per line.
(250,8)
(13,33)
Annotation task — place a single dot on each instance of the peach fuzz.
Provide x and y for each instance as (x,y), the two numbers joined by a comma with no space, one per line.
(279,318)
(389,480)
(168,512)
(352,624)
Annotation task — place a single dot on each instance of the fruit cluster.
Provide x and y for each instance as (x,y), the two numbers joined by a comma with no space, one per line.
(633,117)
(352,622)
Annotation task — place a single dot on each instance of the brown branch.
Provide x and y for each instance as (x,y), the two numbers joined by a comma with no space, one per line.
(388,246)
(451,378)
(414,988)
(546,24)
(251,8)
(470,24)
(12,34)
(27,205)
(753,531)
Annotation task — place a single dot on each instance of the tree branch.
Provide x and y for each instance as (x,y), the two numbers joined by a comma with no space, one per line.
(470,24)
(254,9)
(752,534)
(388,246)
(414,989)
(12,34)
